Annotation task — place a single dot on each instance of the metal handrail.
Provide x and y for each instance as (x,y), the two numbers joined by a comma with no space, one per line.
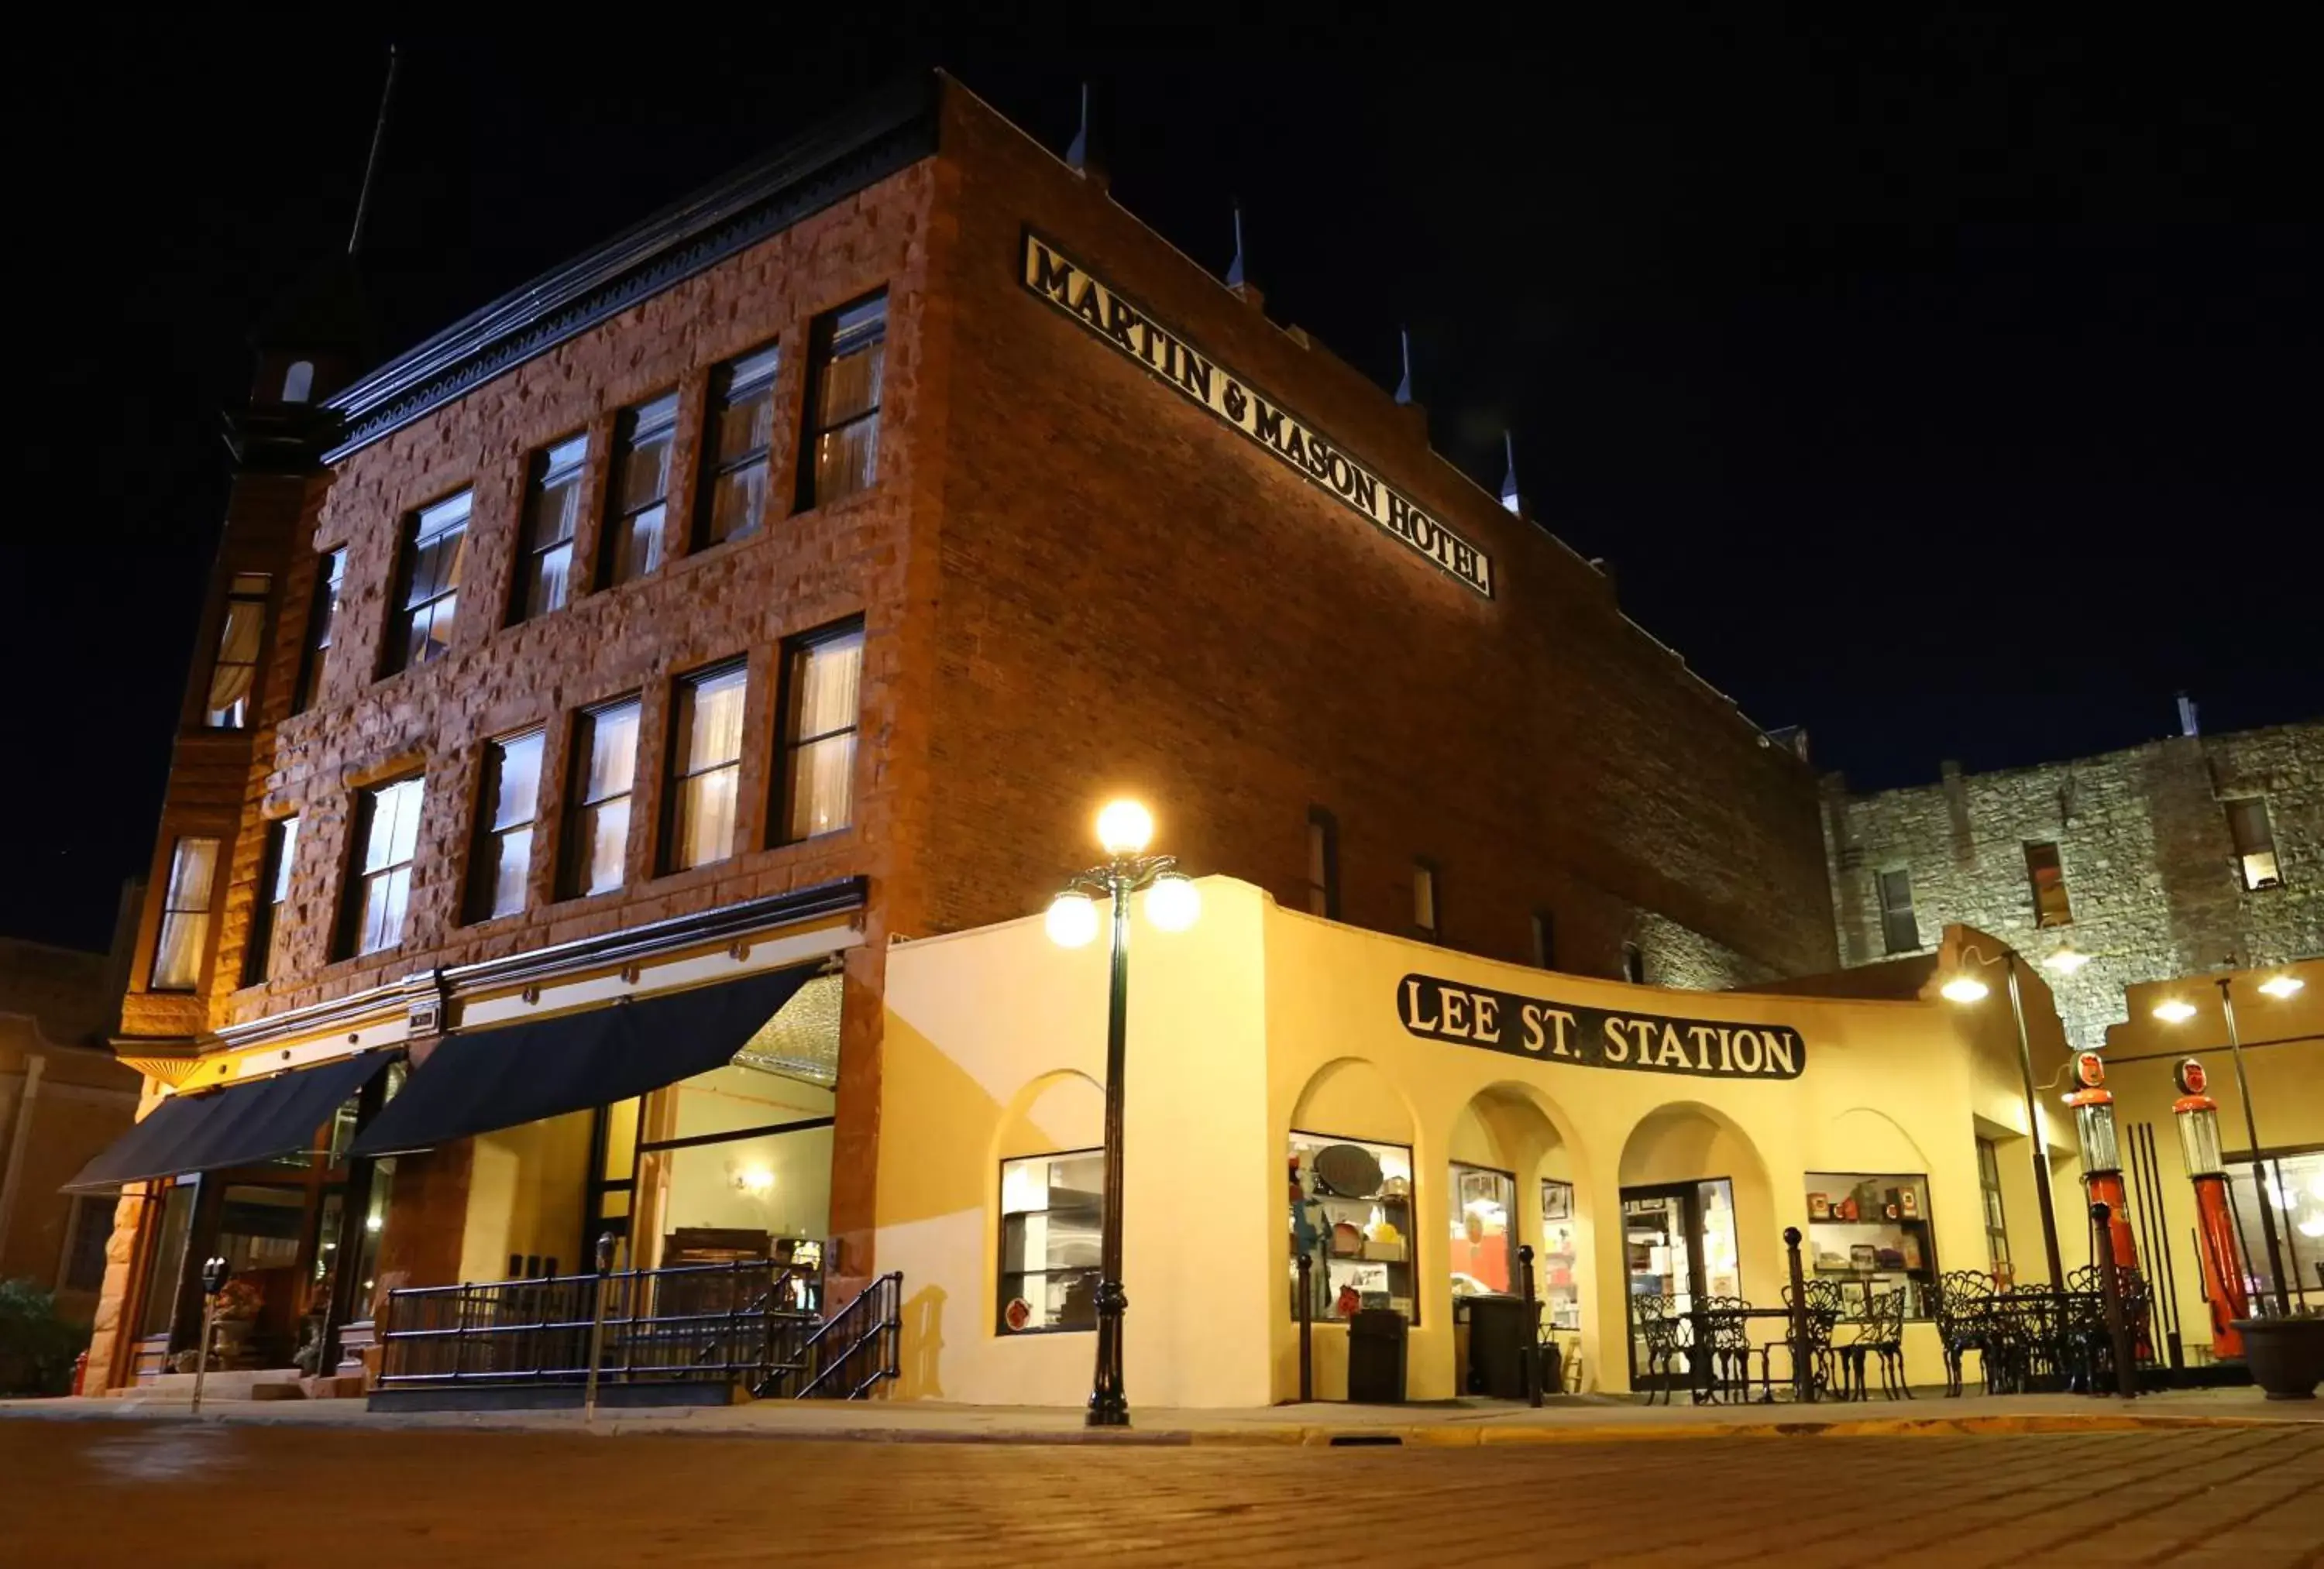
(881,1302)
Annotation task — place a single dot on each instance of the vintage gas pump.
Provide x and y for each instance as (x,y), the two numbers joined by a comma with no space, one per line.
(2215,1225)
(2093,1106)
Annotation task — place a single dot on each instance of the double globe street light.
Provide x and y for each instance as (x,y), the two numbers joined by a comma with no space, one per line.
(1124,829)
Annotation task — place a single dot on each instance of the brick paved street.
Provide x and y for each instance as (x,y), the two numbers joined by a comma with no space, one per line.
(179,1494)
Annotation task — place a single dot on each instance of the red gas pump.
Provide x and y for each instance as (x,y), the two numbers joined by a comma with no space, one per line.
(2102,1180)
(2215,1225)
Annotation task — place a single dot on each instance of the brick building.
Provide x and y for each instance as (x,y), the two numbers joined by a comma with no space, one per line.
(790,577)
(2166,859)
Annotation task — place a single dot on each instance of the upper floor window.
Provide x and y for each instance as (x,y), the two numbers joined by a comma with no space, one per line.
(320,624)
(637,519)
(233,675)
(508,802)
(1900,929)
(705,765)
(1322,864)
(823,676)
(739,437)
(1545,939)
(378,891)
(1423,901)
(436,544)
(262,958)
(1634,964)
(299,381)
(843,415)
(552,509)
(2048,878)
(597,818)
(185,916)
(2255,839)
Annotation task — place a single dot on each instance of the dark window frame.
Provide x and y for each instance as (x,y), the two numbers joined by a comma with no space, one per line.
(245,710)
(2044,920)
(834,337)
(618,514)
(788,742)
(2245,852)
(685,695)
(1892,915)
(1634,964)
(478,898)
(578,805)
(1432,929)
(322,621)
(206,910)
(543,468)
(355,889)
(724,383)
(403,610)
(1002,1273)
(1323,834)
(1544,939)
(260,955)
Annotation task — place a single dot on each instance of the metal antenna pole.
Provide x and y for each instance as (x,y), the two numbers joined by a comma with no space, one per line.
(371,164)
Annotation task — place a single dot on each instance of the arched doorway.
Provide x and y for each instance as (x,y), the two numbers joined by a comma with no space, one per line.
(1511,1182)
(1698,1216)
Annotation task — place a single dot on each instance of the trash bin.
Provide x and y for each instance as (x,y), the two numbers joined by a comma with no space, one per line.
(1497,1347)
(1375,1340)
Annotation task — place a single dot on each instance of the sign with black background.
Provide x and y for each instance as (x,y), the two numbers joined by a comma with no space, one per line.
(1052,275)
(1494,1020)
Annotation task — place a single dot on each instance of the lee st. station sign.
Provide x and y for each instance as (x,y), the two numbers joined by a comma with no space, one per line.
(1065,283)
(1466,1015)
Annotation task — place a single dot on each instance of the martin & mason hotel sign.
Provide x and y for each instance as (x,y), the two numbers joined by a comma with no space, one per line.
(1067,285)
(1466,1015)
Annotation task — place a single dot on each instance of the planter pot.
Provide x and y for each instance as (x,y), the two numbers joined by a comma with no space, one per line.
(2285,1355)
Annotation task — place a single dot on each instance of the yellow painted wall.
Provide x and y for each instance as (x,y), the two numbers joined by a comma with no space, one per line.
(524,1196)
(1260,1020)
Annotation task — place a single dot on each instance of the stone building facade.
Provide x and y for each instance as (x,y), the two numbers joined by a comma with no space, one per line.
(2169,858)
(1068,577)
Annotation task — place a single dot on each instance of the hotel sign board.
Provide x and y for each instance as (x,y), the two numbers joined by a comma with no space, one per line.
(1052,276)
(1466,1015)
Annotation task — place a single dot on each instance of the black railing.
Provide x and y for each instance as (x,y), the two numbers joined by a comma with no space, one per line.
(849,1354)
(694,1323)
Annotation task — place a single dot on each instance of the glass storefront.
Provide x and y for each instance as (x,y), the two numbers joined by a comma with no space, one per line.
(1679,1242)
(2292,1184)
(1051,1221)
(1869,1234)
(1484,1247)
(1351,1210)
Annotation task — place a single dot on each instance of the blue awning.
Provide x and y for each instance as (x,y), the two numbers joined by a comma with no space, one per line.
(244,1124)
(511,1074)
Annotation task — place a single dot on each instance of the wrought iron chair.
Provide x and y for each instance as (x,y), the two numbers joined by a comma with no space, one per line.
(1821,1316)
(1883,1336)
(1965,1323)
(1659,1328)
(1729,1348)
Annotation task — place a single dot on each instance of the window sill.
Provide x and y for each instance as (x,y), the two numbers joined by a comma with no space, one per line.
(1003,1332)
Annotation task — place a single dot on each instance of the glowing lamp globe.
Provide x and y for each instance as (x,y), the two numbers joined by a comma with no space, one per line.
(1173,903)
(1963,988)
(2175,1011)
(1072,920)
(1124,828)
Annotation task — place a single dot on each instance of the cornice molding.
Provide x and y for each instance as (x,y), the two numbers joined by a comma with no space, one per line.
(890,131)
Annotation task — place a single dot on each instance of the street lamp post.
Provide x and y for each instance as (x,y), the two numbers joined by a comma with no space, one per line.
(1964,988)
(1123,829)
(2173,1010)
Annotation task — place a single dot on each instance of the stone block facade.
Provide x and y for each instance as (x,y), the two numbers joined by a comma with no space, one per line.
(2146,850)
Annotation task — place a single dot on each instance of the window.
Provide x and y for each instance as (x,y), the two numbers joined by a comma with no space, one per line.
(434,547)
(320,622)
(2291,1184)
(1484,1247)
(1545,939)
(740,435)
(1870,1234)
(262,958)
(387,836)
(634,528)
(299,381)
(1997,1229)
(1900,930)
(1424,900)
(507,802)
(2049,880)
(552,509)
(185,916)
(1322,864)
(1052,1215)
(843,412)
(2255,843)
(1634,964)
(819,734)
(89,1230)
(597,821)
(233,675)
(706,764)
(1352,1215)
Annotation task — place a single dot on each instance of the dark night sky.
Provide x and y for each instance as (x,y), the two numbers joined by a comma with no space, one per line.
(1950,390)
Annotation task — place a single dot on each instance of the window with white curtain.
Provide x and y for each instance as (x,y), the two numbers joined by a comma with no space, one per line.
(636,524)
(185,915)
(705,765)
(552,510)
(387,838)
(233,675)
(507,804)
(843,432)
(819,733)
(436,546)
(597,821)
(738,441)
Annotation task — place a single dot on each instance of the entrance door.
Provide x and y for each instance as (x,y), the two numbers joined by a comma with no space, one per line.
(1679,1241)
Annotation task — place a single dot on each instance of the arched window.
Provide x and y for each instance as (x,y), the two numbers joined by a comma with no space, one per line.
(299,381)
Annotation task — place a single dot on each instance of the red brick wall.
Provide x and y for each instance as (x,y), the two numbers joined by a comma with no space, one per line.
(1136,597)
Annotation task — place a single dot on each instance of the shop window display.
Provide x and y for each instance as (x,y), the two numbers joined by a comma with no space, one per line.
(2295,1201)
(1351,1208)
(1051,1221)
(1869,1234)
(1561,1292)
(1484,1241)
